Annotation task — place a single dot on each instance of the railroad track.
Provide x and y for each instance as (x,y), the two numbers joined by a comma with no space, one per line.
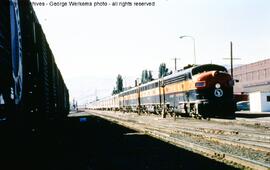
(236,144)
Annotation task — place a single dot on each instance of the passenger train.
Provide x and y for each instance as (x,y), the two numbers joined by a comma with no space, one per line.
(199,91)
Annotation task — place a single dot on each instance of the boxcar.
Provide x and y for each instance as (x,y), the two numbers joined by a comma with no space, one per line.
(32,88)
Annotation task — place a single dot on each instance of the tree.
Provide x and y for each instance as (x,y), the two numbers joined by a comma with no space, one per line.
(146,76)
(150,76)
(119,85)
(163,70)
(114,91)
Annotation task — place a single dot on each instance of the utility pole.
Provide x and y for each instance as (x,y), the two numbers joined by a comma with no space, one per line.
(231,58)
(175,63)
(96,94)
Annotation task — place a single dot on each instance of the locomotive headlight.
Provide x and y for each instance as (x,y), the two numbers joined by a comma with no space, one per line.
(217,85)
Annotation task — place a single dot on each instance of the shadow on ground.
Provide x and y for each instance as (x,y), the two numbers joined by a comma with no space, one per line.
(94,144)
(251,115)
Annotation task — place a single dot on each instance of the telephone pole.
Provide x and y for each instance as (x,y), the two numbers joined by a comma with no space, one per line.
(175,63)
(231,58)
(231,47)
(96,95)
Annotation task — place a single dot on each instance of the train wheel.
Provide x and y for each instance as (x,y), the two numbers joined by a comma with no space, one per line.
(194,110)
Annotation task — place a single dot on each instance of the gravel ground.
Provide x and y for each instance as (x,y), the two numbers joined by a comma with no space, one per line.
(249,140)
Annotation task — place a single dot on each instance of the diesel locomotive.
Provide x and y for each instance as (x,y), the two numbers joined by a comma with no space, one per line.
(32,88)
(199,91)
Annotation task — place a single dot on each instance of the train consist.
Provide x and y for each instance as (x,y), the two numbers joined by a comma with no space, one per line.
(200,91)
(31,86)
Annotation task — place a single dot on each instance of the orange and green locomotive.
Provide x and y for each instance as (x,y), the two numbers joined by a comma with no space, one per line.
(202,91)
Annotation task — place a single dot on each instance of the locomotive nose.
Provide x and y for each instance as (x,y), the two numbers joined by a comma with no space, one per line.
(222,79)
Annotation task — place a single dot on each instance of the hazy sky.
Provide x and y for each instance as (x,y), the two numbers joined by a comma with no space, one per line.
(92,45)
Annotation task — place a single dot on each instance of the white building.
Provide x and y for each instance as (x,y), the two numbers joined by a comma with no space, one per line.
(259,101)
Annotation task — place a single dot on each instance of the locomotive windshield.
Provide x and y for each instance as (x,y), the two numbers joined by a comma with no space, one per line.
(208,67)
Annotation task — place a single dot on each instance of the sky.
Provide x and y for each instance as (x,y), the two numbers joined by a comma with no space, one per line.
(92,45)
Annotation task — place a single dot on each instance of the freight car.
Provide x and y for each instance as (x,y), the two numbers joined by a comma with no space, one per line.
(32,88)
(200,91)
